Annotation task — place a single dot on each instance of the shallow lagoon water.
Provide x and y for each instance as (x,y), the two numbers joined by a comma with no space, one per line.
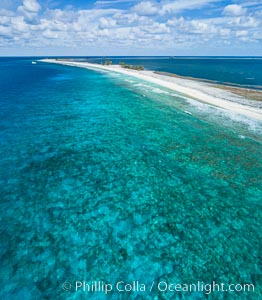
(105,180)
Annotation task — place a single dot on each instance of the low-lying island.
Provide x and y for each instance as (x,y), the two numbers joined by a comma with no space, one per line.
(202,91)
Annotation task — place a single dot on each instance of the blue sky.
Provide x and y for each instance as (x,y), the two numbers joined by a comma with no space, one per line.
(130,27)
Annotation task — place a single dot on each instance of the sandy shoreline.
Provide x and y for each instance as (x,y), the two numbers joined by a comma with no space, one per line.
(201,91)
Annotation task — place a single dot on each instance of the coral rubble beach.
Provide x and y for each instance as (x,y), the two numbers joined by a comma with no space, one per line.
(237,100)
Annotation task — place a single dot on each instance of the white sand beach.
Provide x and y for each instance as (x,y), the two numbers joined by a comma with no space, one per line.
(201,91)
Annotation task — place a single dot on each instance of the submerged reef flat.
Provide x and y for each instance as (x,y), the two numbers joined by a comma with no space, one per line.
(246,93)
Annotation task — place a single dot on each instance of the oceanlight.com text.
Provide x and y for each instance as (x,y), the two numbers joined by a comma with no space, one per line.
(206,288)
(161,286)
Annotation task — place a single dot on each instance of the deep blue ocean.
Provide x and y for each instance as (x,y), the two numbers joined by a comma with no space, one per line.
(107,178)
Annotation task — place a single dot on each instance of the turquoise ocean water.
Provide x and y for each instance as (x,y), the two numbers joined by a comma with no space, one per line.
(105,178)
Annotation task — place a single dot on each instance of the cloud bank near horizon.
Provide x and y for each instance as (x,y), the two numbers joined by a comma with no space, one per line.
(130,27)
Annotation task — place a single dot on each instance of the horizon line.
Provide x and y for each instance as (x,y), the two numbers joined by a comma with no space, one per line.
(105,56)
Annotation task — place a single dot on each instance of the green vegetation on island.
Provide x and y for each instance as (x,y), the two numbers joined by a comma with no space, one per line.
(107,63)
(132,67)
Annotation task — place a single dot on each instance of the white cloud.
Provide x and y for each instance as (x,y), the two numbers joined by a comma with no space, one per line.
(201,27)
(224,32)
(5,31)
(245,22)
(50,34)
(5,20)
(257,36)
(19,25)
(6,13)
(234,10)
(241,33)
(110,2)
(31,6)
(149,24)
(107,23)
(181,5)
(29,9)
(146,8)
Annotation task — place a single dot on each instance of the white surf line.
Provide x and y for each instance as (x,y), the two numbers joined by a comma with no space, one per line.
(181,85)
